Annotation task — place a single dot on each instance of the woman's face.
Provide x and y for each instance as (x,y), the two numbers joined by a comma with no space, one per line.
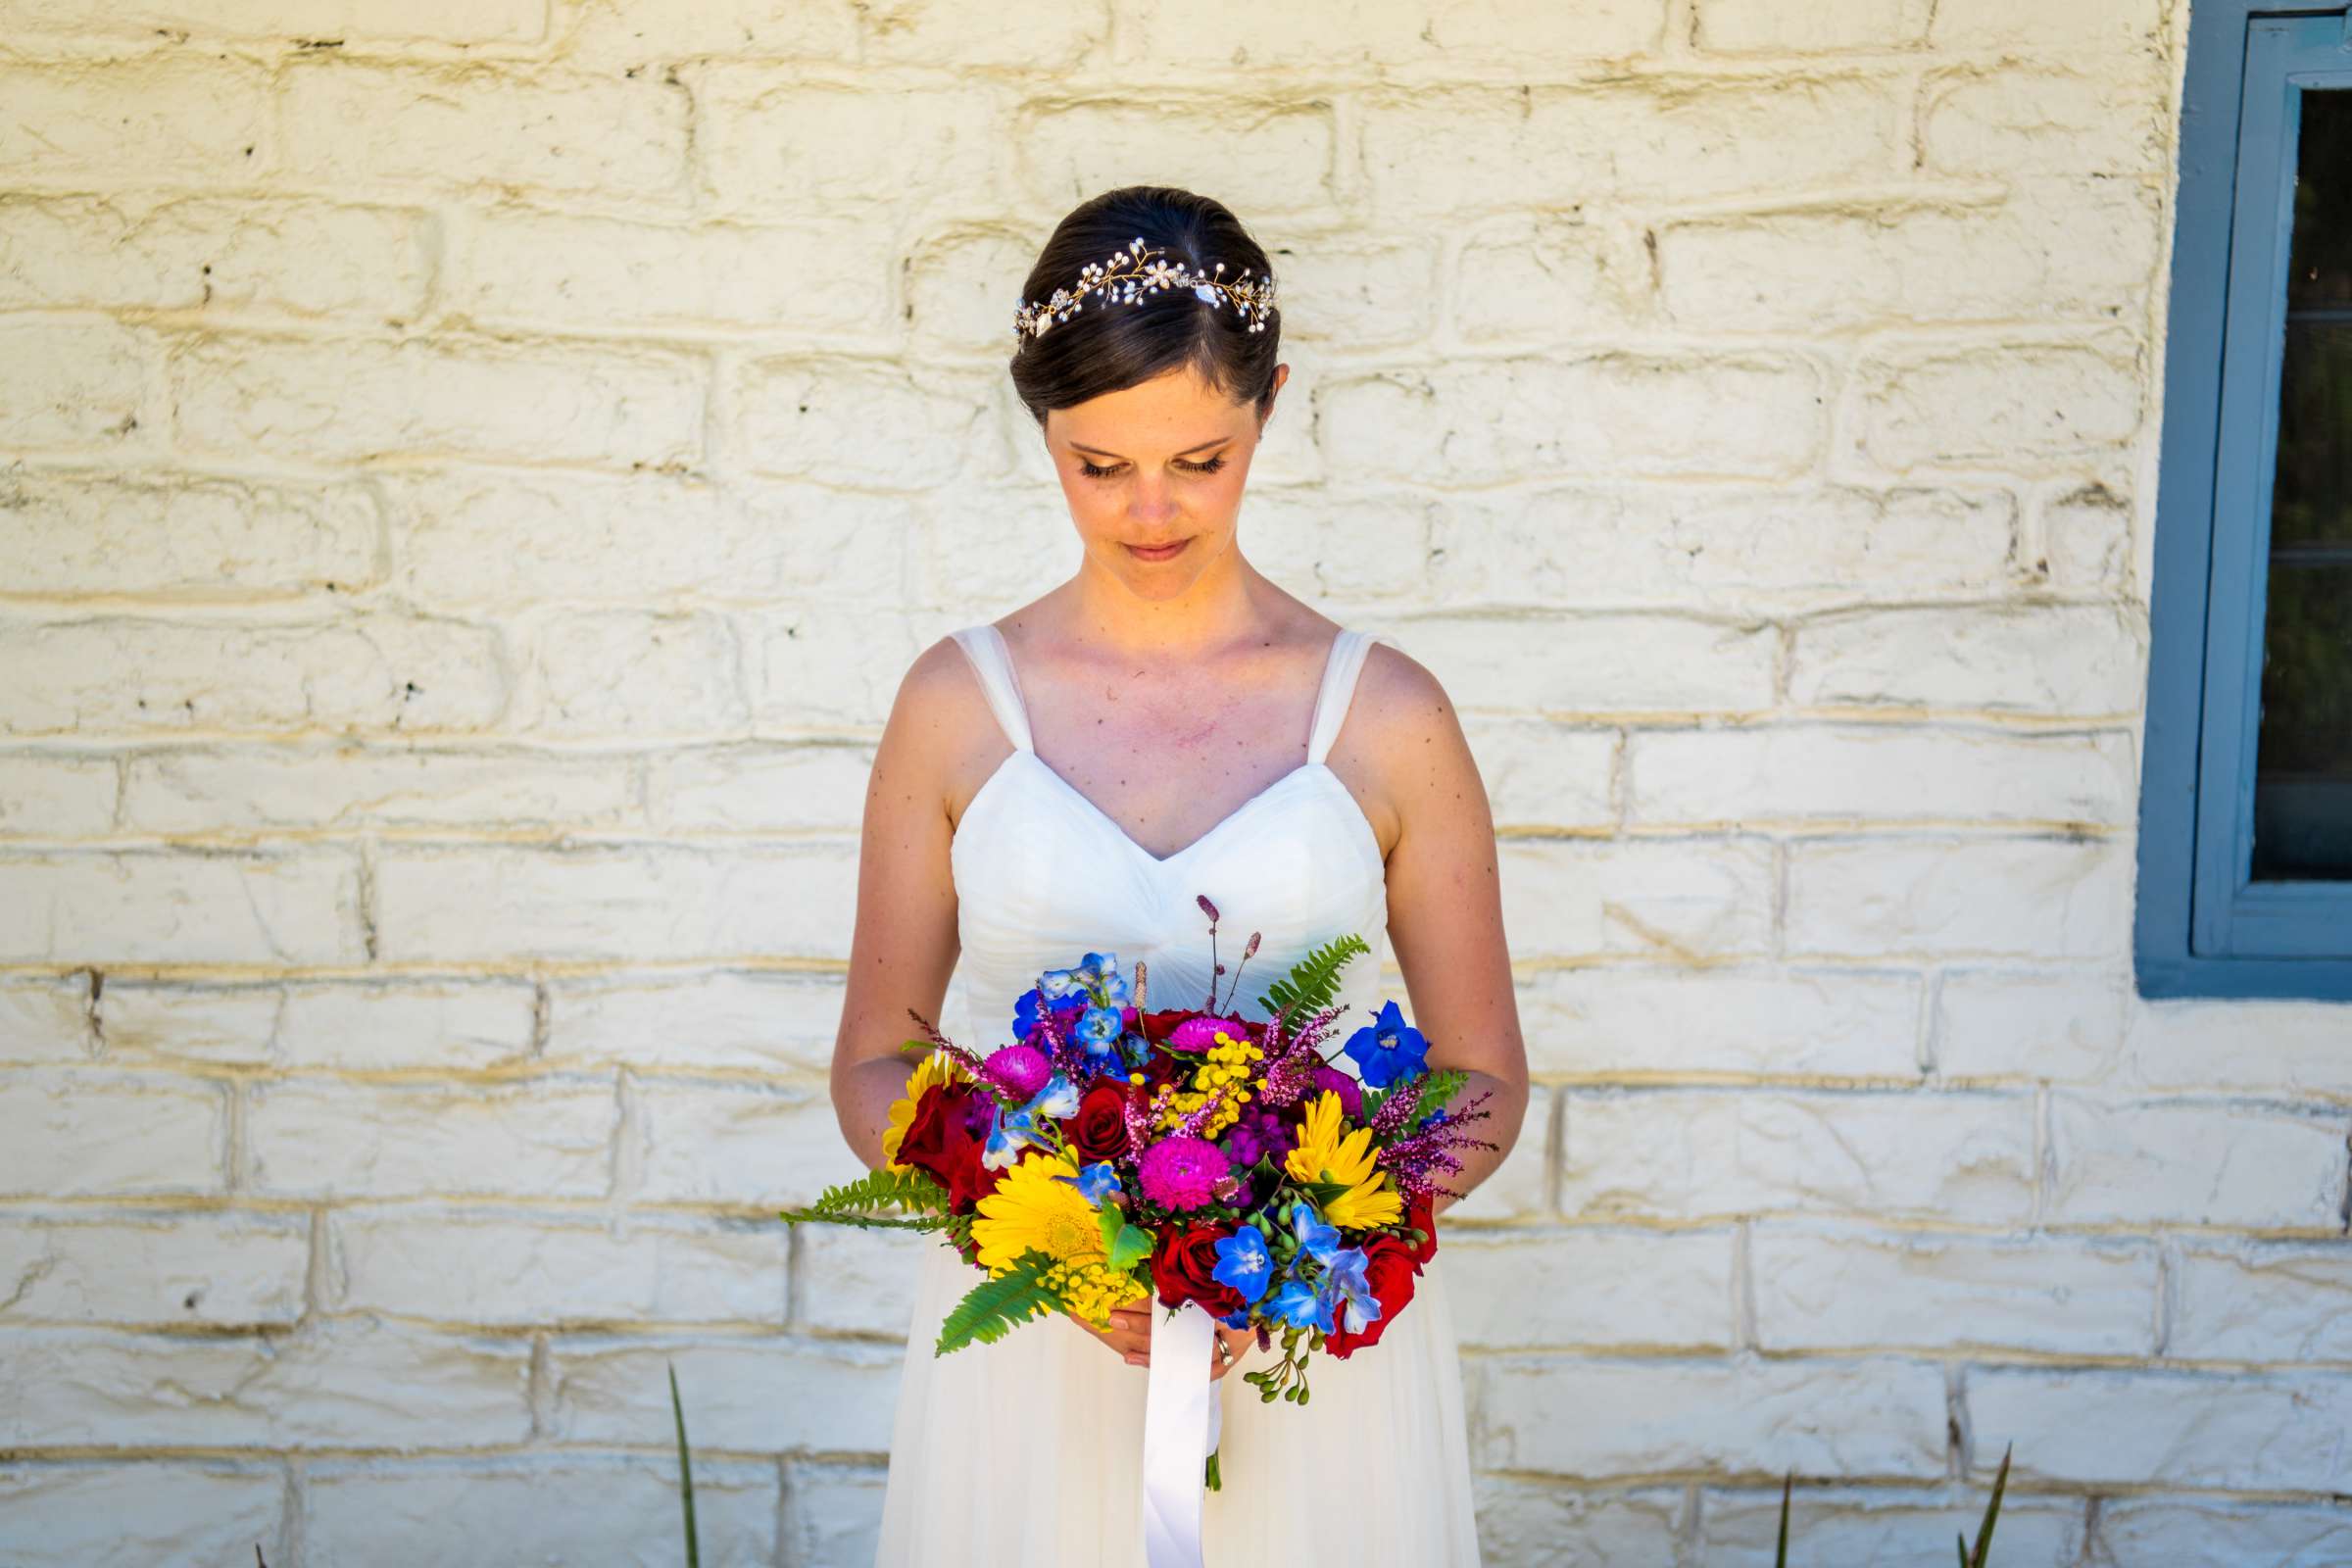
(1153,474)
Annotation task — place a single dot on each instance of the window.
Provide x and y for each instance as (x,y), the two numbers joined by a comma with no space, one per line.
(2245,848)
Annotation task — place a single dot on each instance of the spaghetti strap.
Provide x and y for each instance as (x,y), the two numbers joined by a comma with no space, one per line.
(1347,661)
(992,662)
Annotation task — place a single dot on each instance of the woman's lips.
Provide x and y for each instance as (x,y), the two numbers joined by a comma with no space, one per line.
(1160,552)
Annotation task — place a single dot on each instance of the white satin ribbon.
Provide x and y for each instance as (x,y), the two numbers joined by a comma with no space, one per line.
(1182,1415)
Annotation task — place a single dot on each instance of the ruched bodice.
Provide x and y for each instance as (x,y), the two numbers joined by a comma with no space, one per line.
(1044,876)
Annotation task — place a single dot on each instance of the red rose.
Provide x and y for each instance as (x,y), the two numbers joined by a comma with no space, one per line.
(1181,1263)
(1389,1269)
(1157,1025)
(1098,1129)
(942,1142)
(1421,1215)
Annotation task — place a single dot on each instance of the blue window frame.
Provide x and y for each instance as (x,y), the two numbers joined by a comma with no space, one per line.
(2245,845)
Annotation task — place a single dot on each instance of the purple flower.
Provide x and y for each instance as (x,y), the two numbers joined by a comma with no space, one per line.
(1350,1093)
(1020,1070)
(1181,1173)
(1259,1134)
(1198,1034)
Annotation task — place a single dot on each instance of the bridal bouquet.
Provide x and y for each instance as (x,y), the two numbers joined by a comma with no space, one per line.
(1203,1159)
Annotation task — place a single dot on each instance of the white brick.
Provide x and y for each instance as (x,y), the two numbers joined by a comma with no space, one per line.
(530,1137)
(755,787)
(2195,1162)
(1740,778)
(347,784)
(1870,1418)
(2087,542)
(637,30)
(770,143)
(2061,1027)
(166,1268)
(75,1513)
(1762,25)
(832,1514)
(2024,407)
(335,1384)
(181,534)
(740,1144)
(2280,1302)
(1520,1188)
(626,673)
(1592,664)
(172,118)
(57,797)
(130,251)
(656,1022)
(357,124)
(1618,1021)
(1741,1529)
(366,1028)
(2240,1431)
(1732,548)
(598,274)
(2198,1534)
(878,423)
(624,1508)
(822,667)
(523,1270)
(345,21)
(46,1021)
(1275,155)
(1513,145)
(71,383)
(1677,900)
(1526,1522)
(77,1133)
(1589,1287)
(504,537)
(1818,1288)
(1756,417)
(620,902)
(1453,35)
(1541,774)
(857,1281)
(2200,1043)
(1592,279)
(2053,660)
(2015,25)
(1695,1154)
(2015,898)
(167,907)
(351,400)
(117,675)
(2018,123)
(764,1395)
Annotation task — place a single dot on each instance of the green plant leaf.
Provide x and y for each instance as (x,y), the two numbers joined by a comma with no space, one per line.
(865,1202)
(1780,1558)
(1315,979)
(995,1307)
(677,1412)
(2000,1484)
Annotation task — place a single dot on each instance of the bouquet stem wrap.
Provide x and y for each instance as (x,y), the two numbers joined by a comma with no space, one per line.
(1182,1415)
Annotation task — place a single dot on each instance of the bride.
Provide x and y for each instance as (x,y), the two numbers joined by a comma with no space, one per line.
(1169,725)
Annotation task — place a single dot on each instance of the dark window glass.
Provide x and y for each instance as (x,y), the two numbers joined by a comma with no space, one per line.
(2303,753)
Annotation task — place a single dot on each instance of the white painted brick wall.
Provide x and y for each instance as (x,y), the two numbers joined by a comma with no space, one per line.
(472,478)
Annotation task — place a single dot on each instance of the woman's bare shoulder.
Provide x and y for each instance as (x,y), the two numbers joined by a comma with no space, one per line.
(1410,742)
(941,738)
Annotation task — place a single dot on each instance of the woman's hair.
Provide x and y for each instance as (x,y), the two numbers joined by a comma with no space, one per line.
(1110,347)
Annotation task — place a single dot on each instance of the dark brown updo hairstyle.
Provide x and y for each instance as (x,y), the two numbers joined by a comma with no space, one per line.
(1108,347)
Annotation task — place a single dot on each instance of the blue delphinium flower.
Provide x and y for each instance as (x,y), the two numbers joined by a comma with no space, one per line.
(1301,1306)
(1096,1182)
(1098,1030)
(1056,1099)
(1387,1048)
(1316,1239)
(1345,1282)
(1057,983)
(1009,1133)
(1243,1263)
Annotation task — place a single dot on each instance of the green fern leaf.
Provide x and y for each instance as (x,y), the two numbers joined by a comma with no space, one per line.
(1315,979)
(866,1202)
(993,1307)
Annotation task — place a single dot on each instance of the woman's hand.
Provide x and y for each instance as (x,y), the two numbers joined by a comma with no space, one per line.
(1130,1333)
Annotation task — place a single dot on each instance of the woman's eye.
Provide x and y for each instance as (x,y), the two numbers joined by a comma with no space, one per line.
(1210,467)
(1091,472)
(1094,472)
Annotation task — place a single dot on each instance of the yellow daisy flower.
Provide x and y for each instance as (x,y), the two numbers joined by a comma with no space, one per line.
(937,1068)
(1323,1155)
(1032,1212)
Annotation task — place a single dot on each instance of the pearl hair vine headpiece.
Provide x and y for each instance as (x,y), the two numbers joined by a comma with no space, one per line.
(1129,276)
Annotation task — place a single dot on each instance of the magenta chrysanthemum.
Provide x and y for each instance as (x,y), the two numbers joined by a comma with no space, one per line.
(1350,1093)
(1198,1034)
(1020,1070)
(1182,1173)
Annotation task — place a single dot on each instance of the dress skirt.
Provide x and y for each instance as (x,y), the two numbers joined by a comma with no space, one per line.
(1028,1452)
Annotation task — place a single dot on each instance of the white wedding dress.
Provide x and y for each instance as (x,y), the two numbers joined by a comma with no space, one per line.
(1028,1452)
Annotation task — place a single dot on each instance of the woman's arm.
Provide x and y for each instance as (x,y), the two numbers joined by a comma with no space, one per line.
(1446,902)
(904,945)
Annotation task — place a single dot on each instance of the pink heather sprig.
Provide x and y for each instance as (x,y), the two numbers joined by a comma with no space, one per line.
(1395,1112)
(1291,1076)
(1435,1148)
(963,1057)
(1136,1113)
(1199,1118)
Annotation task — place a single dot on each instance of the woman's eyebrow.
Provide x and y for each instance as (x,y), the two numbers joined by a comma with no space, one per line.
(1197,446)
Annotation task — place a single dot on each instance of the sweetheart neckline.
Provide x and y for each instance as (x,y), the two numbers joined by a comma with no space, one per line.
(1355,810)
